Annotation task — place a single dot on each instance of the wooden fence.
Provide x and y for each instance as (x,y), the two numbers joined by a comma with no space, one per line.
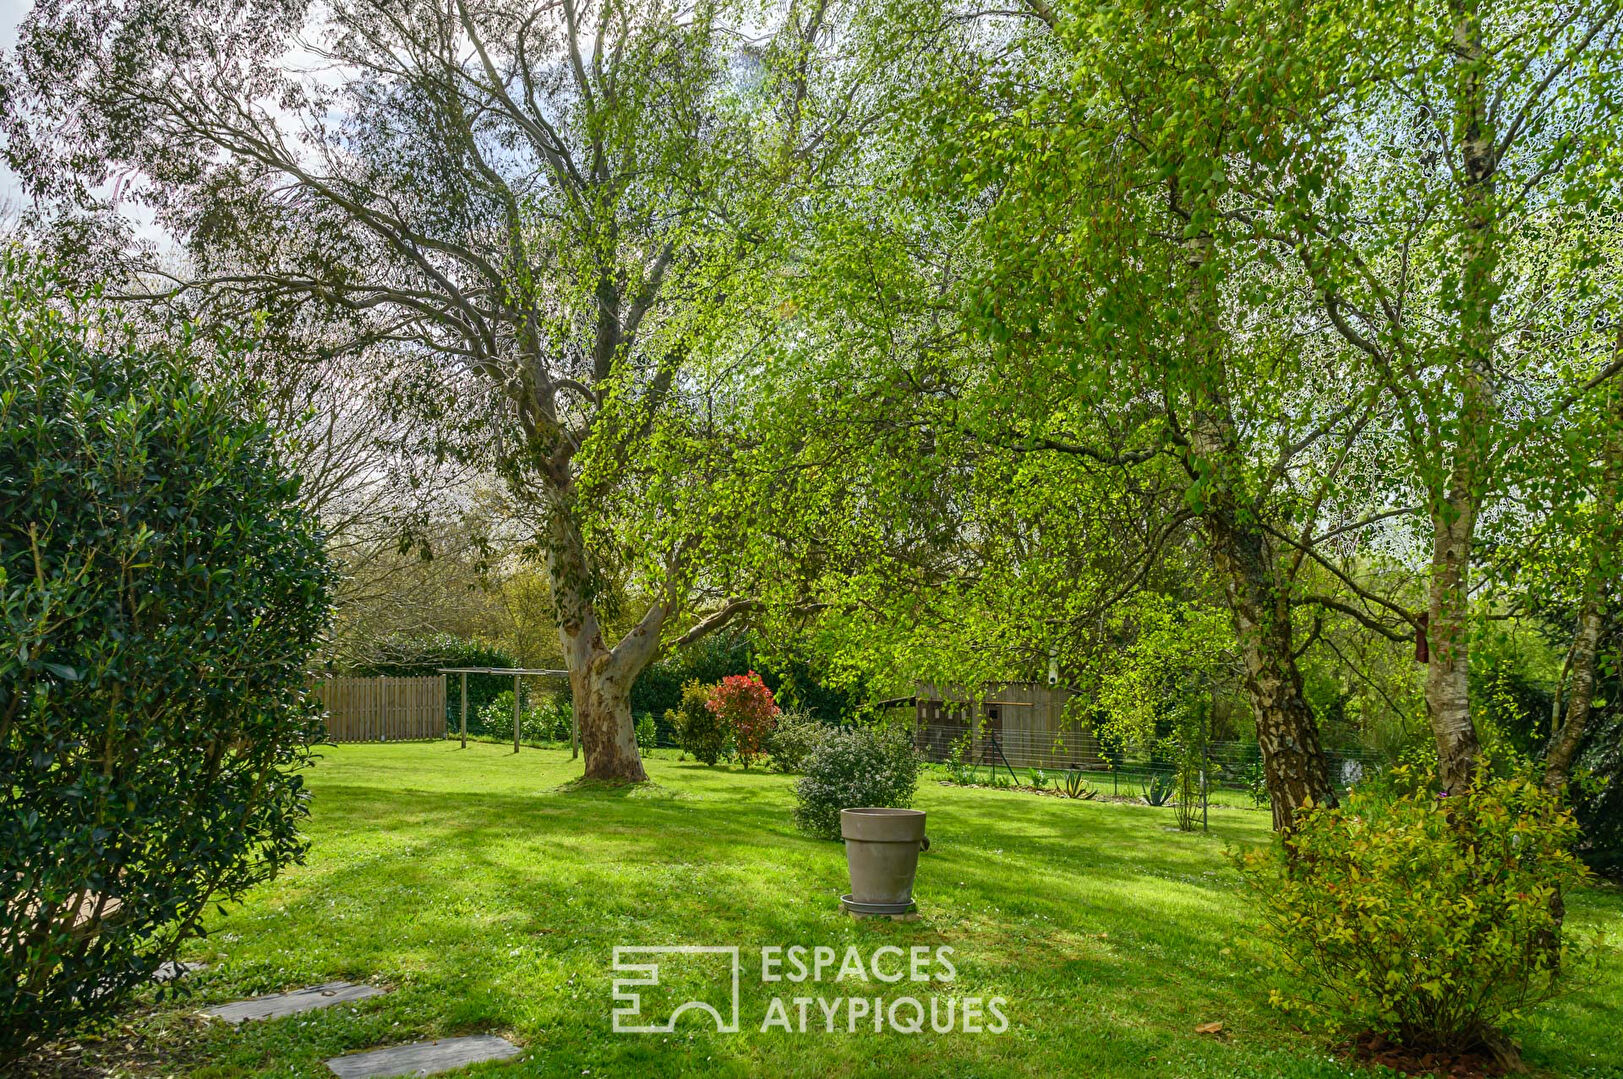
(383,709)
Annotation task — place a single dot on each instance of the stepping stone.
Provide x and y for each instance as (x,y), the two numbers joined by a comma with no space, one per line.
(169,970)
(300,1000)
(423,1058)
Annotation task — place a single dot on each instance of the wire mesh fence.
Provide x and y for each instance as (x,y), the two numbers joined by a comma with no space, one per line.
(1230,765)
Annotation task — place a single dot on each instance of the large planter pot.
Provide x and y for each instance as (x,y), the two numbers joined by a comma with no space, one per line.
(882,852)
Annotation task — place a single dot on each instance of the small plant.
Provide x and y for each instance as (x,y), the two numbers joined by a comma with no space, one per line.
(698,731)
(1433,921)
(959,770)
(647,731)
(1077,785)
(1159,788)
(1039,778)
(1001,780)
(862,766)
(744,709)
(1256,783)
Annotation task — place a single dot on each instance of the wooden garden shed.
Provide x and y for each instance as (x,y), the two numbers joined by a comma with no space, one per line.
(1019,723)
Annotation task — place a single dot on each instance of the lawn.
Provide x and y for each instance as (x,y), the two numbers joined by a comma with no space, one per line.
(489,900)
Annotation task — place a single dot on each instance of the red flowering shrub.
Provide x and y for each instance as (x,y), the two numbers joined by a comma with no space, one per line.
(745,710)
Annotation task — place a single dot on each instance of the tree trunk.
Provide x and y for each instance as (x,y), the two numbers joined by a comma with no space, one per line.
(602,692)
(600,677)
(1448,693)
(1456,500)
(1292,756)
(1287,733)
(1564,746)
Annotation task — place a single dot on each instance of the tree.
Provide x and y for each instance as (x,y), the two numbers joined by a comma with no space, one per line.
(1119,317)
(1470,128)
(549,206)
(161,594)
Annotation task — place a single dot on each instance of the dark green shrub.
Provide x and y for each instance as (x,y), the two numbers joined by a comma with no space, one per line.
(860,766)
(795,739)
(698,730)
(161,594)
(1426,919)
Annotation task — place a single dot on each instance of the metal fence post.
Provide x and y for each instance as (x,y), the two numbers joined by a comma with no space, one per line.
(464,709)
(515,713)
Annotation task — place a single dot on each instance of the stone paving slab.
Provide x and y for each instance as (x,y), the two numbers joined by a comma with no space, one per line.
(422,1058)
(299,1000)
(169,970)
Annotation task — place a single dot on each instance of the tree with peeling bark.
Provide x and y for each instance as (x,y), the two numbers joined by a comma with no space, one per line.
(553,208)
(1469,126)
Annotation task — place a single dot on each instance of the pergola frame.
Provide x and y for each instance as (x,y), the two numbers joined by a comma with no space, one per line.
(517,673)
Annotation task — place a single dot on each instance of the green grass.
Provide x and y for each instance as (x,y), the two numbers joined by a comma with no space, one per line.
(489,900)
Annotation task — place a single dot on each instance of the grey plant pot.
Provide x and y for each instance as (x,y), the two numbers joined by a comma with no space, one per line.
(882,852)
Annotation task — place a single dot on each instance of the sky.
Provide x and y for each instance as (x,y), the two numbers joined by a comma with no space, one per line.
(11,13)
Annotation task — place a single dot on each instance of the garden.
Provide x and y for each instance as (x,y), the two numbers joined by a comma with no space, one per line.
(572,537)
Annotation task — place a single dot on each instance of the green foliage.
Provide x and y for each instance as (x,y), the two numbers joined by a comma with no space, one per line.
(1159,788)
(497,714)
(802,682)
(855,767)
(1077,785)
(647,732)
(959,770)
(1188,791)
(549,720)
(1433,920)
(1039,778)
(794,740)
(161,594)
(698,730)
(1256,783)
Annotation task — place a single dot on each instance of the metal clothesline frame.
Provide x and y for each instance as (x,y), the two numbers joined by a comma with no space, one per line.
(517,673)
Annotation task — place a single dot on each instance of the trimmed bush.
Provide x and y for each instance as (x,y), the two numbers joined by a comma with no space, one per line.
(862,766)
(698,730)
(1431,920)
(794,739)
(161,594)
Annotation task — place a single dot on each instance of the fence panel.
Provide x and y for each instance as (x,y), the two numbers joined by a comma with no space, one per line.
(383,709)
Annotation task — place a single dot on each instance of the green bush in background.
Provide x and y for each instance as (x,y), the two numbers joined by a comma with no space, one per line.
(698,730)
(423,655)
(796,737)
